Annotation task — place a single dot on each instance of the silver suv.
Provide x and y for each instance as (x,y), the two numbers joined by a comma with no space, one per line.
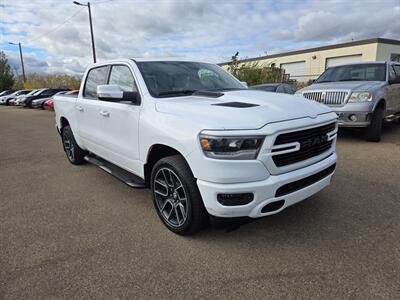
(361,94)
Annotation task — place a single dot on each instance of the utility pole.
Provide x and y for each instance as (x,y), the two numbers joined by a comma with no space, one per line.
(22,60)
(91,27)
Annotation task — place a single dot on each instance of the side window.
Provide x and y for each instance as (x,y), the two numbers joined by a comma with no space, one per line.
(96,76)
(47,93)
(397,70)
(122,76)
(392,74)
(280,89)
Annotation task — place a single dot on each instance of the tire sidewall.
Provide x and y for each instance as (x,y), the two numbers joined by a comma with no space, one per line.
(67,132)
(374,131)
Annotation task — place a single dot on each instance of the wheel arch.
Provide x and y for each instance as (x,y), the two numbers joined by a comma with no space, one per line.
(63,122)
(381,103)
(155,153)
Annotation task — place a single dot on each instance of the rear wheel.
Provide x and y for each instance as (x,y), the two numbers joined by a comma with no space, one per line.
(75,154)
(373,132)
(176,197)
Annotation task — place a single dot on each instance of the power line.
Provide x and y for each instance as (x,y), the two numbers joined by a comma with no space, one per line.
(55,28)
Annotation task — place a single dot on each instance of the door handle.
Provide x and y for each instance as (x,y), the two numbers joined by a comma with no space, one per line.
(80,108)
(105,113)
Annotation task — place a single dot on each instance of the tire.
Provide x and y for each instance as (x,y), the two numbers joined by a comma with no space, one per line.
(373,132)
(171,182)
(75,154)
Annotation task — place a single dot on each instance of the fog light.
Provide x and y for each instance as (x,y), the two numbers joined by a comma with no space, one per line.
(353,118)
(235,199)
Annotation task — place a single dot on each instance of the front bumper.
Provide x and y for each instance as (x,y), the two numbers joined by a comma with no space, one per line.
(354,119)
(354,114)
(264,191)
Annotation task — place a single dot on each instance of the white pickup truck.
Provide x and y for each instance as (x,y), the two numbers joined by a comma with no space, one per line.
(204,143)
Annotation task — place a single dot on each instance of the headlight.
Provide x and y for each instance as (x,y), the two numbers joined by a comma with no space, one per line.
(231,147)
(298,94)
(360,97)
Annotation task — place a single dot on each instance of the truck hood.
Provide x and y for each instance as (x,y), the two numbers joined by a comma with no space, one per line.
(261,108)
(344,85)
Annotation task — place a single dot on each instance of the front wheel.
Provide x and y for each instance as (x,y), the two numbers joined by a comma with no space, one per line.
(75,154)
(373,132)
(176,197)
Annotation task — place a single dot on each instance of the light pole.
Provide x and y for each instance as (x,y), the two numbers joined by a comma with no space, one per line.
(91,27)
(22,60)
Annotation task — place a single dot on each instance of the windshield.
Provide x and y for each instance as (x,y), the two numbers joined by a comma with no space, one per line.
(32,93)
(176,78)
(361,72)
(38,92)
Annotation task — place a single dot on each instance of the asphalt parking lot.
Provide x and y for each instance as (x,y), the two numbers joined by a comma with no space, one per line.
(76,232)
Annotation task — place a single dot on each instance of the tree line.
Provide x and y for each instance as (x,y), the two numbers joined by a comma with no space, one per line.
(9,81)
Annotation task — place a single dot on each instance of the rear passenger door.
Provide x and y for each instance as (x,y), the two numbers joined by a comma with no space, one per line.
(88,110)
(120,122)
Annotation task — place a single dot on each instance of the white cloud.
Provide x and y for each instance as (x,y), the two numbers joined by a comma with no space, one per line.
(206,30)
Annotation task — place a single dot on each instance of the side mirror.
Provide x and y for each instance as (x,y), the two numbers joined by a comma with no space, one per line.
(113,93)
(245,83)
(311,81)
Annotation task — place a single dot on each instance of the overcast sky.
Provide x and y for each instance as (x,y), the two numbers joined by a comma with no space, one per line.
(55,34)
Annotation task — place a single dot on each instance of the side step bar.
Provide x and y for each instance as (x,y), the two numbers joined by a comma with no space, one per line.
(392,117)
(121,174)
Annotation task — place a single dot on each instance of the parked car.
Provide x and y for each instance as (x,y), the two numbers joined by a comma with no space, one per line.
(203,142)
(6,99)
(283,88)
(17,100)
(45,93)
(6,92)
(49,104)
(39,103)
(361,94)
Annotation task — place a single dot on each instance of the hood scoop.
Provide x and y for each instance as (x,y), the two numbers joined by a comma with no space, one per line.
(236,104)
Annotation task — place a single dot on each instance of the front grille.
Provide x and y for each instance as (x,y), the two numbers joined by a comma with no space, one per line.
(329,98)
(305,182)
(312,142)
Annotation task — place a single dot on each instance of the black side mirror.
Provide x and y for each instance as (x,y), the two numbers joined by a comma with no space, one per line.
(133,97)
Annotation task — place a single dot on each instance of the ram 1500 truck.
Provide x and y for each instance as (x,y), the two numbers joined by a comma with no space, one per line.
(362,95)
(203,142)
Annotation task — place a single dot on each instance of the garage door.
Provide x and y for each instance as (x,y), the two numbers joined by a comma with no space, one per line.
(297,70)
(342,60)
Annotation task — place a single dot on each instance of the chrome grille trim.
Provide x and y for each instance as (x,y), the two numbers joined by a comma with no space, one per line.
(296,146)
(327,97)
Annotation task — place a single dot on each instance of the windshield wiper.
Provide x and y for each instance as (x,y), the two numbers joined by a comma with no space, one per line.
(351,79)
(322,81)
(181,92)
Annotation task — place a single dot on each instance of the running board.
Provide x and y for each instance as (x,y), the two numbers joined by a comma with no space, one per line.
(119,173)
(392,117)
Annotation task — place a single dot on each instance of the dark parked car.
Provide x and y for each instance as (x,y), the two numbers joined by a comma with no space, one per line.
(283,88)
(47,93)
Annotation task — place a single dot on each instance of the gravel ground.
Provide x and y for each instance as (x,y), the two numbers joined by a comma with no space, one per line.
(77,232)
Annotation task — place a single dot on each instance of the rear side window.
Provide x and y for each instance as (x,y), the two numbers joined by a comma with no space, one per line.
(122,76)
(397,70)
(95,77)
